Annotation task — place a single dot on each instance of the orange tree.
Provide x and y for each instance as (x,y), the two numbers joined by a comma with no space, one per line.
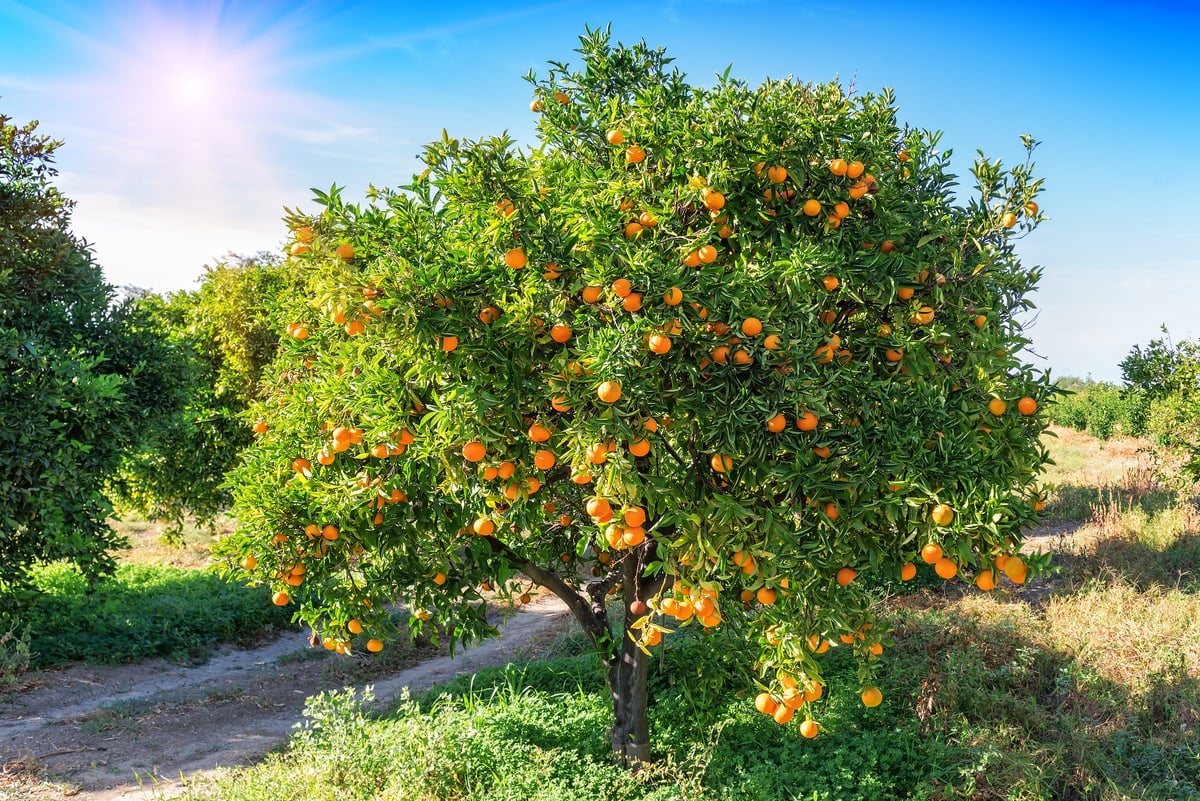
(702,357)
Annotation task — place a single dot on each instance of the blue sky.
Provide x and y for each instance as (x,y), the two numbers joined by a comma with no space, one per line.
(189,126)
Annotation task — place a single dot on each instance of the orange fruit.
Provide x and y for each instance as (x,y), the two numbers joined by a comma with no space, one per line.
(673,296)
(344,251)
(838,167)
(1015,569)
(692,259)
(764,703)
(591,294)
(301,465)
(707,254)
(777,174)
(908,571)
(986,580)
(823,451)
(544,459)
(809,728)
(721,463)
(622,287)
(562,97)
(483,527)
(752,326)
(945,568)
(609,391)
(614,137)
(765,595)
(560,333)
(281,598)
(374,646)
(931,553)
(1027,406)
(888,246)
(539,433)
(355,626)
(942,515)
(659,344)
(260,427)
(633,229)
(841,209)
(997,407)
(516,258)
(846,575)
(647,219)
(831,511)
(250,562)
(1008,220)
(772,342)
(632,302)
(854,169)
(635,154)
(872,697)
(639,447)
(830,282)
(812,207)
(905,293)
(777,423)
(489,315)
(807,421)
(714,201)
(449,343)
(783,714)
(894,354)
(474,451)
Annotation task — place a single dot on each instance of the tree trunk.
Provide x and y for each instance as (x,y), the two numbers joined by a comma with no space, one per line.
(627,673)
(627,684)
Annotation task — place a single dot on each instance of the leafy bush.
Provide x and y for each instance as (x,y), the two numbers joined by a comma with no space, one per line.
(1102,409)
(142,611)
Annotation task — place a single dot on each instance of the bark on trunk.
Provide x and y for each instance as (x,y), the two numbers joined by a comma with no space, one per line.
(627,674)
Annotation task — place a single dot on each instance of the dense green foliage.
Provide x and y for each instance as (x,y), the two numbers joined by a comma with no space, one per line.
(835,382)
(1102,409)
(226,332)
(83,376)
(1168,374)
(142,611)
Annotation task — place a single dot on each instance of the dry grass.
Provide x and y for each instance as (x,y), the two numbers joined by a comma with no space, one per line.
(147,544)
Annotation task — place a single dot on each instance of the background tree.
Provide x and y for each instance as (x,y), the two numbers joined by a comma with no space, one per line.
(1167,374)
(226,332)
(82,376)
(709,352)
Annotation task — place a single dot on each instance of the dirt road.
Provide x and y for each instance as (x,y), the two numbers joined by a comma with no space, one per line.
(107,733)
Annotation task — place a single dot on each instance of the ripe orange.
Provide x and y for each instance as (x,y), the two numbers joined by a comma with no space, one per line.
(807,421)
(1027,406)
(831,511)
(614,137)
(830,282)
(692,259)
(777,423)
(632,230)
(777,174)
(449,343)
(765,595)
(888,246)
(560,333)
(374,646)
(516,258)
(489,315)
(474,451)
(355,626)
(260,427)
(632,302)
(812,207)
(659,344)
(281,598)
(772,342)
(639,447)
(764,703)
(986,580)
(721,463)
(707,254)
(298,330)
(301,465)
(841,209)
(846,575)
(872,697)
(544,459)
(997,406)
(714,201)
(908,571)
(609,391)
(945,568)
(854,169)
(942,515)
(622,287)
(894,354)
(1008,220)
(809,728)
(635,154)
(647,219)
(823,451)
(905,293)
(250,562)
(1031,208)
(591,294)
(783,714)
(345,251)
(752,326)
(838,166)
(931,553)
(1015,569)
(483,527)
(673,296)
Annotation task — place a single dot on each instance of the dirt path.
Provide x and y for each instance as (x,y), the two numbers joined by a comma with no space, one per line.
(103,734)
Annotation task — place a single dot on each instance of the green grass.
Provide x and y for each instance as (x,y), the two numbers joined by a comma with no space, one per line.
(143,611)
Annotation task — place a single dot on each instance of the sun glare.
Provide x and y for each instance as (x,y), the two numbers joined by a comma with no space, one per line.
(191,87)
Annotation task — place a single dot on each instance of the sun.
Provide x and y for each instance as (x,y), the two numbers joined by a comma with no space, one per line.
(191,87)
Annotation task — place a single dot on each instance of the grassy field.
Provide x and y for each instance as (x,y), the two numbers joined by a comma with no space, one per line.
(1084,684)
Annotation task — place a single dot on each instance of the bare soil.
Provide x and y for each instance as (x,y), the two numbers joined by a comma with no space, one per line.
(132,731)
